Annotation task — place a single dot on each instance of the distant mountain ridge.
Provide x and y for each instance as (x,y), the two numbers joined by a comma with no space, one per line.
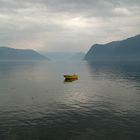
(78,56)
(64,55)
(7,53)
(128,49)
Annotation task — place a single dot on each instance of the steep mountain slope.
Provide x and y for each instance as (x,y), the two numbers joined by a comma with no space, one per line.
(128,49)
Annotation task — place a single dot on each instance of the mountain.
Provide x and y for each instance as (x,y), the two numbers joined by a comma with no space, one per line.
(78,56)
(125,50)
(64,55)
(59,55)
(7,53)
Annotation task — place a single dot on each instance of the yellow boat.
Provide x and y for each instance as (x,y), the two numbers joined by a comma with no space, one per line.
(71,77)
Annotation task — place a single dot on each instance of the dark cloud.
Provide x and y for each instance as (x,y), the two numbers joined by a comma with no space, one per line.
(84,7)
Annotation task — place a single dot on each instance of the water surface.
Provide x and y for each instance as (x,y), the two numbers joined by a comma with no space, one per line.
(36,103)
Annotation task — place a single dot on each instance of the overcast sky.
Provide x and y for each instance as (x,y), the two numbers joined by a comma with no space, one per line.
(66,25)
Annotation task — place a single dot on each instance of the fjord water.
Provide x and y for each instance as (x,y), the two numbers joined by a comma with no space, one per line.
(36,103)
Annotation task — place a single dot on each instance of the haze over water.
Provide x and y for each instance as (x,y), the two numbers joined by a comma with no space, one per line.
(36,103)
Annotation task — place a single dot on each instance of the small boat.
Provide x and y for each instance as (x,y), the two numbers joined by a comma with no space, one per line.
(71,77)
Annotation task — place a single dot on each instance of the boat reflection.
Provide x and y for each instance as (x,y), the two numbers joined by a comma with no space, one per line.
(70,80)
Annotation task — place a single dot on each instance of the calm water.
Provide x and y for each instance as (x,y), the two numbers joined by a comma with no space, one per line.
(36,103)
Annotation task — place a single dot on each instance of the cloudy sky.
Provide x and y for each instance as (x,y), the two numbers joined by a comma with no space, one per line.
(66,25)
